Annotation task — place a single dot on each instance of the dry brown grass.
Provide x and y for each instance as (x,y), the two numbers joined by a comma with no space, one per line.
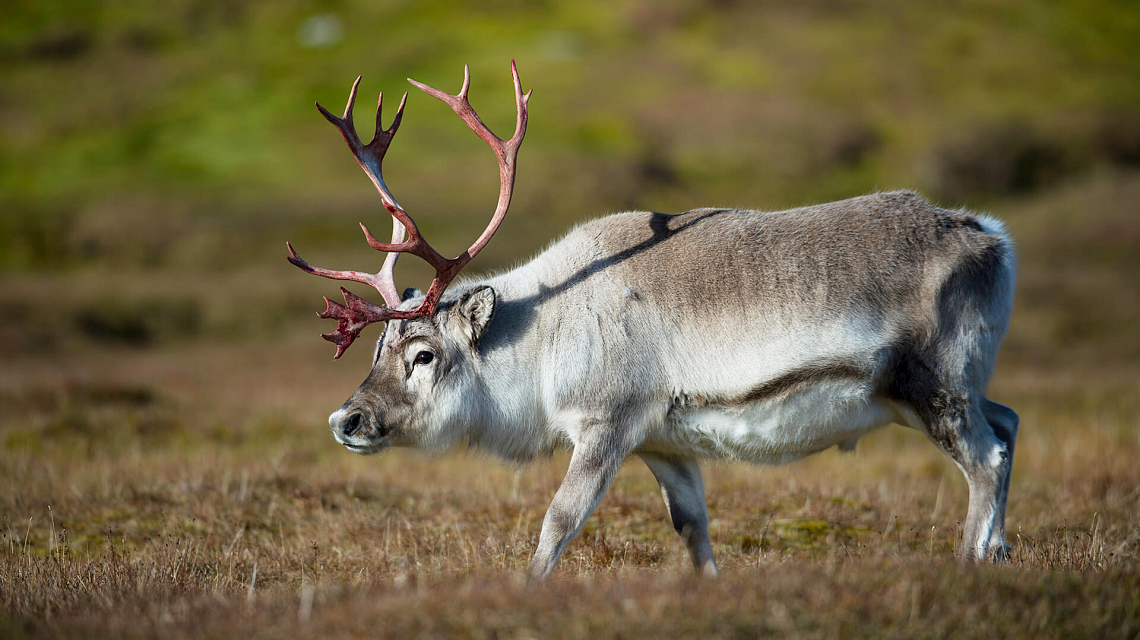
(150,503)
(191,489)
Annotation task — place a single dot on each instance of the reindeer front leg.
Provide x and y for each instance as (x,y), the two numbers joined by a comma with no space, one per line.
(593,466)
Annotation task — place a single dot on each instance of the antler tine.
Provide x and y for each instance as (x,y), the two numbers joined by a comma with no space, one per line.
(370,279)
(390,132)
(344,123)
(466,82)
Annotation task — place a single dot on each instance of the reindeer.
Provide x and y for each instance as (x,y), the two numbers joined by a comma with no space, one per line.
(715,333)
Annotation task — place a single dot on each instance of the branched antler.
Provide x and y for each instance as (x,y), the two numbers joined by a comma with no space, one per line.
(358,313)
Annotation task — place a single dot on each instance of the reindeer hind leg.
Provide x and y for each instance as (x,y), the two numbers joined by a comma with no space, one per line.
(1004,422)
(684,494)
(958,427)
(952,414)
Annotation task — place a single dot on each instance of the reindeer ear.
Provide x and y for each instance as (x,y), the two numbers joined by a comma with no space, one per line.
(411,292)
(476,308)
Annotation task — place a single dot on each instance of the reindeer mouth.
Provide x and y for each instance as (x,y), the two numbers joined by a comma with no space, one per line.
(366,449)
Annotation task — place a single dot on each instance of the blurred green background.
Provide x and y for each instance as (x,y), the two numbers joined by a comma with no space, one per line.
(154,157)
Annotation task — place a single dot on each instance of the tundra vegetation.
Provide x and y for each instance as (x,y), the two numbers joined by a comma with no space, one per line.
(166,464)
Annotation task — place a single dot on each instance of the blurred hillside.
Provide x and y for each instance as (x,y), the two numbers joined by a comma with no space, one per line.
(154,158)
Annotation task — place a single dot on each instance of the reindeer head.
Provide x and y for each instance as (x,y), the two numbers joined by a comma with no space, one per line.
(423,381)
(423,362)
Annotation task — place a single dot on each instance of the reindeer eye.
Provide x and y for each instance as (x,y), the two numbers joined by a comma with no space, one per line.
(424,357)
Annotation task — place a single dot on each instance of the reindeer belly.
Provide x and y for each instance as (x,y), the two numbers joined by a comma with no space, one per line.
(774,430)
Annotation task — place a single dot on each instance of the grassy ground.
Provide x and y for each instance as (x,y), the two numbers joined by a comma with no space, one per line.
(192,490)
(166,466)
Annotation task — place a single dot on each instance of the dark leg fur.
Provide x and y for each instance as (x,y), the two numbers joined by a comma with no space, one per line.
(1004,423)
(684,495)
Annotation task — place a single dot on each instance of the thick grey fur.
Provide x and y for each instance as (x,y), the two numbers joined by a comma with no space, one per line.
(716,333)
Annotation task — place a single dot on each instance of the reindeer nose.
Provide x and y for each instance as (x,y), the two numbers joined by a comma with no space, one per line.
(352,425)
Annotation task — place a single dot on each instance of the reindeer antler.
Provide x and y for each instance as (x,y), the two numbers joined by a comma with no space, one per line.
(358,313)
